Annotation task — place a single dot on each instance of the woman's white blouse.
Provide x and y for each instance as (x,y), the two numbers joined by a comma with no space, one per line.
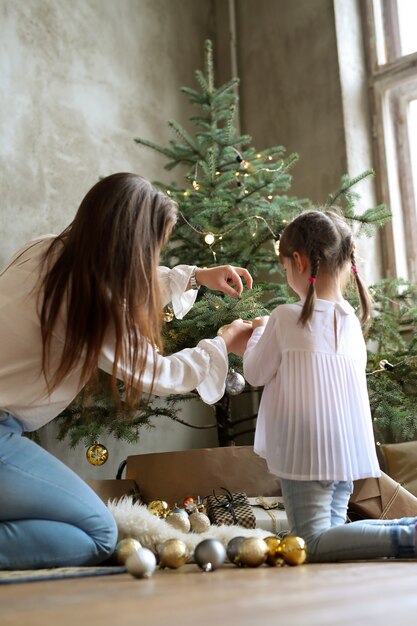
(314,420)
(23,391)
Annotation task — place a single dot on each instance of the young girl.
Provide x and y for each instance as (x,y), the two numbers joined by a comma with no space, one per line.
(91,298)
(314,426)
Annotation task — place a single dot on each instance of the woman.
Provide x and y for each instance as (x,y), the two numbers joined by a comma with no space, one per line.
(91,298)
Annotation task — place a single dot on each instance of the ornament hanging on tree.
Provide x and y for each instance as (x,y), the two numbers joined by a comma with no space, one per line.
(97,454)
(235,383)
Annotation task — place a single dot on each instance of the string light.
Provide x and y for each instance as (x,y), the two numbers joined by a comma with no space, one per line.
(209,239)
(196,185)
(270,197)
(210,235)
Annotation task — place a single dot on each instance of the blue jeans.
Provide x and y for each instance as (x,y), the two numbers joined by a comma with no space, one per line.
(317,512)
(49,517)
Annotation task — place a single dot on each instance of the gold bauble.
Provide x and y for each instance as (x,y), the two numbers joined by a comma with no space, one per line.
(252,552)
(199,522)
(168,314)
(124,549)
(172,553)
(274,556)
(97,454)
(293,550)
(159,508)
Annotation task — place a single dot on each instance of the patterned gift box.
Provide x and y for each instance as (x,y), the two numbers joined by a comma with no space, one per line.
(270,514)
(230,509)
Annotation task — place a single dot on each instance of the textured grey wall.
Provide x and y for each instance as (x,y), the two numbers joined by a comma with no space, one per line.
(79,79)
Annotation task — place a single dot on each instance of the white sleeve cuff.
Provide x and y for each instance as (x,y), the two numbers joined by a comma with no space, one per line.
(173,284)
(211,389)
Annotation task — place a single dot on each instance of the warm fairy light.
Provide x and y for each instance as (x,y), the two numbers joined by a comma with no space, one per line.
(253,234)
(245,164)
(209,239)
(258,156)
(270,197)
(186,194)
(196,185)
(217,173)
(246,174)
(220,238)
(270,158)
(168,192)
(246,191)
(237,173)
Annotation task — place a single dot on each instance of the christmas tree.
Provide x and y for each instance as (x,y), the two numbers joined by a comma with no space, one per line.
(233,205)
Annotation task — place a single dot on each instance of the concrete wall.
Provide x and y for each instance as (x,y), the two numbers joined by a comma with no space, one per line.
(80,78)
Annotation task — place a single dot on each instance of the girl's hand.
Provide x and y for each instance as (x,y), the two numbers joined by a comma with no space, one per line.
(225,278)
(260,321)
(236,335)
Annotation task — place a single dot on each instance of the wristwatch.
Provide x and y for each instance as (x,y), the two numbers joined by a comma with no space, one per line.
(193,281)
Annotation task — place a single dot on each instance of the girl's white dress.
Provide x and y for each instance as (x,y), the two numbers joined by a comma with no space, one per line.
(314,420)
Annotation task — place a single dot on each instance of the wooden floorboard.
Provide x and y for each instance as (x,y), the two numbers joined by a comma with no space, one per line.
(378,593)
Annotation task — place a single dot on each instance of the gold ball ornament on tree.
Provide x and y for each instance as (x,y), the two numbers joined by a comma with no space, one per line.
(159,508)
(97,454)
(252,552)
(141,563)
(235,383)
(209,554)
(173,553)
(293,550)
(124,549)
(274,557)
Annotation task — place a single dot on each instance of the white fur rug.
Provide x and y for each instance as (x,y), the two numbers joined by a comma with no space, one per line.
(134,520)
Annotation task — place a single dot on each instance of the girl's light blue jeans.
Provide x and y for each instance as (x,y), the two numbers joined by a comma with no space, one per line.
(49,517)
(317,512)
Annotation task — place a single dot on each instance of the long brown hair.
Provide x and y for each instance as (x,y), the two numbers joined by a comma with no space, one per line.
(327,241)
(102,270)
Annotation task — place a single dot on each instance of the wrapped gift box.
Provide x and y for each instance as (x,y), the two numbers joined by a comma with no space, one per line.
(230,509)
(269,513)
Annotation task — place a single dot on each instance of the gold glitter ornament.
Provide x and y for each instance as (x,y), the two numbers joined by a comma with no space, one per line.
(199,522)
(97,454)
(159,508)
(179,521)
(293,550)
(168,314)
(173,554)
(274,557)
(252,552)
(124,549)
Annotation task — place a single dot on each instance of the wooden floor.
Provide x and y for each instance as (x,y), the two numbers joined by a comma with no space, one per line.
(378,593)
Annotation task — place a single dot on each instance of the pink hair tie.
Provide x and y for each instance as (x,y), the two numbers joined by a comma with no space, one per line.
(354,269)
(312,280)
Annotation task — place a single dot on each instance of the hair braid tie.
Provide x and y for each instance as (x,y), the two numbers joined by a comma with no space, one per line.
(312,280)
(354,269)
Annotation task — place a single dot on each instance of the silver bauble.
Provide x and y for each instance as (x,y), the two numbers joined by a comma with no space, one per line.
(232,549)
(235,383)
(209,554)
(141,563)
(179,521)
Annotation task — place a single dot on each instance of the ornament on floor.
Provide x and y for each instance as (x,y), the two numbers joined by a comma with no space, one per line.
(124,549)
(293,550)
(97,454)
(210,554)
(173,553)
(252,552)
(141,563)
(159,508)
(274,557)
(235,383)
(232,549)
(199,522)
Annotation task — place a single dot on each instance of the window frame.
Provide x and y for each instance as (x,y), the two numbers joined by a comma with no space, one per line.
(392,86)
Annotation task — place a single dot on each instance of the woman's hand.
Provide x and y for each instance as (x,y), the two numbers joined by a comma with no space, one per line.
(236,335)
(260,321)
(224,278)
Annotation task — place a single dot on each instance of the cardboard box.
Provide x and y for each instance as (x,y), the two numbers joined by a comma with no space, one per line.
(173,476)
(382,498)
(114,489)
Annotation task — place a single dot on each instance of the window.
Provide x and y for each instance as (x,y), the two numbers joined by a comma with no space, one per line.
(391,47)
